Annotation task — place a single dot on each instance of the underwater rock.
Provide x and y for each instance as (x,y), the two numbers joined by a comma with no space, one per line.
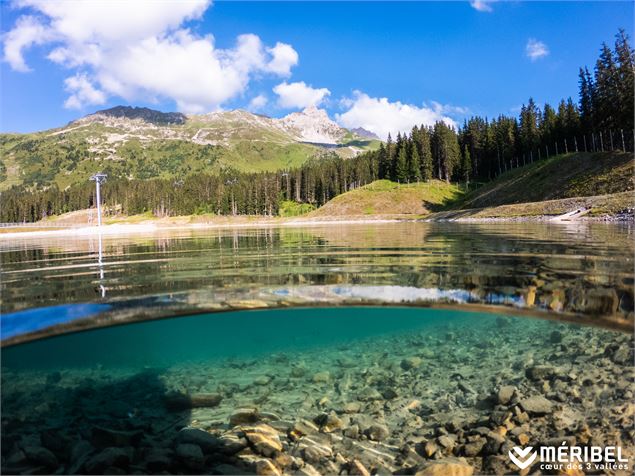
(368,394)
(242,416)
(181,401)
(322,377)
(473,448)
(536,405)
(158,459)
(195,436)
(109,457)
(264,439)
(505,394)
(191,455)
(302,428)
(265,467)
(263,380)
(39,455)
(411,363)
(105,437)
(446,467)
(377,432)
(357,468)
(539,372)
(53,378)
(352,407)
(329,422)
(555,337)
(352,432)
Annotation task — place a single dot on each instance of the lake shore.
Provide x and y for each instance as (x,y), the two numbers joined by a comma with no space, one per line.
(123,226)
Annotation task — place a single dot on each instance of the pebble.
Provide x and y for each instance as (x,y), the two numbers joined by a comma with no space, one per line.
(109,457)
(243,416)
(505,394)
(322,377)
(446,467)
(264,439)
(411,363)
(536,405)
(191,455)
(377,432)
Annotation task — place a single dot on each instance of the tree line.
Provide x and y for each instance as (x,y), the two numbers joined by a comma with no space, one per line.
(480,149)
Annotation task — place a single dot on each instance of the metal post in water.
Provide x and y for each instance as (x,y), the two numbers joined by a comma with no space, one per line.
(98,178)
(622,132)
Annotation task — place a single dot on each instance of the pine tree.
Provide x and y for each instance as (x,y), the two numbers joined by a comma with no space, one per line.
(626,79)
(414,163)
(587,90)
(466,165)
(401,164)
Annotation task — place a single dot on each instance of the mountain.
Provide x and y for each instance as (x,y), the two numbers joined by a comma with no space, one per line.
(137,142)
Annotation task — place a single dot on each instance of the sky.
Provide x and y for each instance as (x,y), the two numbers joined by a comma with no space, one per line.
(381,66)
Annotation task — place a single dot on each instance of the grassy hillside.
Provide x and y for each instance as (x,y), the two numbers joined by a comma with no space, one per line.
(383,197)
(564,176)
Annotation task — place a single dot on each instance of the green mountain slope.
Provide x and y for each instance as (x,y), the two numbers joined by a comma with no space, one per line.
(563,176)
(383,197)
(142,143)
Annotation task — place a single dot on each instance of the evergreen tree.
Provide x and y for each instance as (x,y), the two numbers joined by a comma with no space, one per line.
(626,78)
(587,91)
(466,165)
(401,164)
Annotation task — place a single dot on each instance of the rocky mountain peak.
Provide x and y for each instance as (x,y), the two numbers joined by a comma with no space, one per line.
(148,115)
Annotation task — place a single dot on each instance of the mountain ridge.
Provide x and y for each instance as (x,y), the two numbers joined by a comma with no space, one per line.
(139,142)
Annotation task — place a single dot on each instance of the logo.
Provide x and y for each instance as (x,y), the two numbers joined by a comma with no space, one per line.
(570,458)
(523,461)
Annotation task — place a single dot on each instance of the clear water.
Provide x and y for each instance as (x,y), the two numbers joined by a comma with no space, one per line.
(579,272)
(452,376)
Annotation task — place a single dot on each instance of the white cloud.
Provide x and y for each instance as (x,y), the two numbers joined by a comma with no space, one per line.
(299,95)
(82,92)
(482,5)
(536,49)
(382,117)
(128,50)
(284,58)
(28,31)
(257,103)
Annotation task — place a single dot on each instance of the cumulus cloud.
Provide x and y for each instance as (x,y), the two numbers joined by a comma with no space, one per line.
(82,92)
(536,49)
(128,50)
(28,31)
(482,5)
(299,95)
(382,117)
(257,103)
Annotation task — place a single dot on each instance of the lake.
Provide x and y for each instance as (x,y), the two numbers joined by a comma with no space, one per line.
(405,348)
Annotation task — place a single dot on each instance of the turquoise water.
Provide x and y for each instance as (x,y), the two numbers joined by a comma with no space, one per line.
(391,348)
(381,387)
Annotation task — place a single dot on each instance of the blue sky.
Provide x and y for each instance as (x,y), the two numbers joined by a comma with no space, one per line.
(430,60)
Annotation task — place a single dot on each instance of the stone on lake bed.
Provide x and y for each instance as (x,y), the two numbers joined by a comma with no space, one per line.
(265,467)
(446,467)
(40,455)
(191,455)
(536,405)
(505,394)
(242,416)
(377,432)
(264,439)
(109,457)
(262,380)
(411,363)
(195,436)
(352,407)
(322,377)
(177,401)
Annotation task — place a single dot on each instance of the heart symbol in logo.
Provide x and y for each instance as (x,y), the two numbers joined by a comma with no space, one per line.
(523,460)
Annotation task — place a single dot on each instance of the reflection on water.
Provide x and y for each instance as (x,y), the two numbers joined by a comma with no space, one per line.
(314,391)
(580,270)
